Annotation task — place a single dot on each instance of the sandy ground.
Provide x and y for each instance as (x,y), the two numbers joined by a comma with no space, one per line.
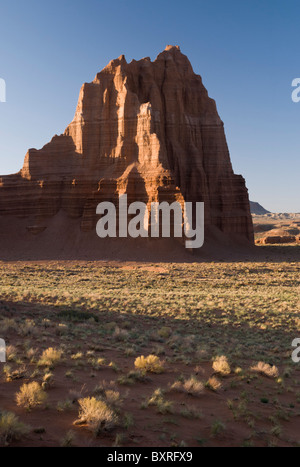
(248,409)
(45,299)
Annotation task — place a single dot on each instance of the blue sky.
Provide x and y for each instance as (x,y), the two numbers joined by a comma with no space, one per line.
(247,53)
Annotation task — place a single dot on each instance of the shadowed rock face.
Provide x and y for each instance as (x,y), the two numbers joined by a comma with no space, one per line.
(147,129)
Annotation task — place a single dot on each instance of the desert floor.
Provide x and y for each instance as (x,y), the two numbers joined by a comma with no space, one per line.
(76,330)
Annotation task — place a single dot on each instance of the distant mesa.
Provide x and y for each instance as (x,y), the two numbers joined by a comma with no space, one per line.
(145,129)
(276,228)
(257,209)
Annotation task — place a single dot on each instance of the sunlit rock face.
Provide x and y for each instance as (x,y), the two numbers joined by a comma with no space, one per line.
(145,129)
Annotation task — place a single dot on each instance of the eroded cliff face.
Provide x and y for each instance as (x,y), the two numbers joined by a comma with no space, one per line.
(147,129)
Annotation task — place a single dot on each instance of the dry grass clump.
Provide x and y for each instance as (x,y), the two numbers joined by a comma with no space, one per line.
(31,395)
(106,393)
(164,332)
(151,364)
(77,356)
(120,334)
(191,386)
(221,366)
(11,354)
(11,374)
(11,428)
(217,427)
(68,440)
(50,357)
(113,399)
(28,328)
(8,325)
(134,376)
(191,412)
(48,380)
(266,369)
(96,414)
(213,383)
(102,387)
(158,400)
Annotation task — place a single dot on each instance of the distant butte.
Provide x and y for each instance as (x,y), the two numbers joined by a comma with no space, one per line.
(147,129)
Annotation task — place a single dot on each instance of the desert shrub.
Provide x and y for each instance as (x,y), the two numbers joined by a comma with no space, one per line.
(11,353)
(50,357)
(133,377)
(8,325)
(120,334)
(11,428)
(28,328)
(105,391)
(114,366)
(96,414)
(48,380)
(31,395)
(191,412)
(128,421)
(120,440)
(110,326)
(191,386)
(61,329)
(158,400)
(188,343)
(77,316)
(97,363)
(266,369)
(63,406)
(68,440)
(113,399)
(102,387)
(217,427)
(150,364)
(165,332)
(158,350)
(221,366)
(11,374)
(31,353)
(213,383)
(77,356)
(47,323)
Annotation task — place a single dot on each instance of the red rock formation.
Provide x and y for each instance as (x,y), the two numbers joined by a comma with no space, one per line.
(143,128)
(278,239)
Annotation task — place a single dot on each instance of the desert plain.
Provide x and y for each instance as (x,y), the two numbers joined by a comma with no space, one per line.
(114,353)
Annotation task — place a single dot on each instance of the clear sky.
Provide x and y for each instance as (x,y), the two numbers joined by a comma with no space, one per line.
(247,53)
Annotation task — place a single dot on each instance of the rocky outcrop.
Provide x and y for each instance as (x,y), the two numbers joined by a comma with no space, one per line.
(147,129)
(273,240)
